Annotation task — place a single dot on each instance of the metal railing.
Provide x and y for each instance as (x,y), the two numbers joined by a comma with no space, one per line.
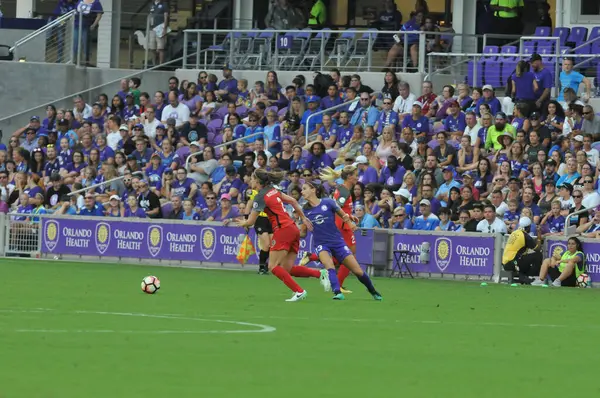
(53,42)
(347,50)
(263,134)
(103,183)
(571,231)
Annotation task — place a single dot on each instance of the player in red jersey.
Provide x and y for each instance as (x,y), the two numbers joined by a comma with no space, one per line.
(286,236)
(343,197)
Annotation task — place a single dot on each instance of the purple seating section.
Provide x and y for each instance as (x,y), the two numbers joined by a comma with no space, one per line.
(496,64)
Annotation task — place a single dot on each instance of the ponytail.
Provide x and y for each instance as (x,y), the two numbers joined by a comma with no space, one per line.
(330,175)
(268,177)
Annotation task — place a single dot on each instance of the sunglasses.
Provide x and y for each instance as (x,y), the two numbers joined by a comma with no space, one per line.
(306,175)
(364,99)
(203,77)
(586,113)
(399,215)
(589,181)
(253,120)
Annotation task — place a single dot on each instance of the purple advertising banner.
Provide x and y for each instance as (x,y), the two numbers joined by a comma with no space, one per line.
(591,250)
(161,241)
(450,254)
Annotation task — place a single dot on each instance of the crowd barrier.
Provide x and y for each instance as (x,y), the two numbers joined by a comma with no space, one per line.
(194,244)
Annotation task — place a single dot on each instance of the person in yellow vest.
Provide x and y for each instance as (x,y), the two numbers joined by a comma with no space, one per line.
(264,231)
(563,270)
(318,15)
(507,19)
(522,255)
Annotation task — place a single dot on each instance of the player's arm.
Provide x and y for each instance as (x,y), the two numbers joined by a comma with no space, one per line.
(298,209)
(250,221)
(249,206)
(346,218)
(303,231)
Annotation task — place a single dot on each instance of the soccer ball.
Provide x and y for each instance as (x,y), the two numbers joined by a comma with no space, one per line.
(584,281)
(150,284)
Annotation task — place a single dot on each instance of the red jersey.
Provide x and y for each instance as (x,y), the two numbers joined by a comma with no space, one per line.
(269,200)
(344,199)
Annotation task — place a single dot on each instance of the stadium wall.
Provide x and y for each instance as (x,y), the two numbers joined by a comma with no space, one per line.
(25,85)
(34,50)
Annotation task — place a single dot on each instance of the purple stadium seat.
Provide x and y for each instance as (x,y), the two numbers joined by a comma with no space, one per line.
(218,139)
(203,121)
(493,68)
(596,145)
(282,112)
(593,43)
(578,35)
(167,208)
(271,108)
(489,54)
(215,125)
(542,31)
(221,112)
(433,144)
(211,137)
(242,111)
(563,34)
(332,154)
(183,152)
(508,63)
(454,143)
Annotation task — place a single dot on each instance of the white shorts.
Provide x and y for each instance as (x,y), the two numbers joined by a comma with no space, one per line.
(155,43)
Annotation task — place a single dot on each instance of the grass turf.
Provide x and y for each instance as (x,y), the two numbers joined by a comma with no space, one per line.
(426,339)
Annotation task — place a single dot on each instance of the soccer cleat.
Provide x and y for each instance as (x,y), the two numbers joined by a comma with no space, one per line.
(339,296)
(305,259)
(298,296)
(324,279)
(345,291)
(537,282)
(377,297)
(557,283)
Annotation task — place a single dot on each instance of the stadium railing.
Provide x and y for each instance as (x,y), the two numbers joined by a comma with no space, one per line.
(100,184)
(461,256)
(572,229)
(347,50)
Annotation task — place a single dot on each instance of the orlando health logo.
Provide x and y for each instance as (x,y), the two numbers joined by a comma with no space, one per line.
(155,239)
(208,242)
(443,253)
(102,237)
(51,234)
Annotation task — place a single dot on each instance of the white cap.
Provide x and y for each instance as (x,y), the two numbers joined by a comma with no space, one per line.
(578,138)
(425,202)
(418,103)
(524,222)
(403,192)
(196,143)
(362,159)
(124,127)
(488,87)
(115,197)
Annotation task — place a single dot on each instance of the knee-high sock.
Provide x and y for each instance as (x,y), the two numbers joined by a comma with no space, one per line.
(365,280)
(305,272)
(263,257)
(333,279)
(342,274)
(286,278)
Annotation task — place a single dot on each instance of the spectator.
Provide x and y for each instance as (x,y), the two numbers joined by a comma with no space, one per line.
(591,123)
(446,223)
(455,123)
(55,192)
(405,99)
(148,200)
(418,123)
(90,207)
(390,86)
(201,170)
(563,270)
(133,209)
(230,185)
(501,127)
(571,79)
(591,228)
(316,121)
(489,99)
(543,77)
(175,110)
(226,212)
(427,221)
(392,174)
(524,85)
(227,90)
(400,219)
(553,223)
(367,114)
(491,223)
(387,117)
(365,220)
(159,28)
(176,212)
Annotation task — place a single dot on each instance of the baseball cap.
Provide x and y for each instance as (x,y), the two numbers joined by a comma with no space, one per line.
(418,103)
(139,126)
(171,121)
(501,115)
(425,202)
(313,98)
(535,115)
(549,181)
(453,102)
(524,222)
(568,186)
(225,196)
(535,57)
(63,122)
(194,114)
(467,174)
(578,138)
(227,67)
(99,105)
(34,119)
(124,127)
(230,170)
(488,87)
(403,192)
(550,162)
(161,126)
(447,168)
(421,140)
(362,159)
(154,155)
(130,157)
(195,143)
(116,197)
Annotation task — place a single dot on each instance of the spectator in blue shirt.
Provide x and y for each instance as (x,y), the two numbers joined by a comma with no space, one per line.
(571,79)
(367,114)
(543,77)
(417,121)
(90,207)
(455,123)
(315,122)
(318,159)
(400,219)
(426,221)
(366,220)
(228,87)
(443,191)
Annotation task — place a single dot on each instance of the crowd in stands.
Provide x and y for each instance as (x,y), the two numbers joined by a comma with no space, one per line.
(447,158)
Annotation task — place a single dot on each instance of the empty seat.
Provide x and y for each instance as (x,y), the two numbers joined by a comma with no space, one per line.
(290,58)
(577,36)
(493,70)
(316,50)
(362,48)
(562,34)
(489,53)
(508,62)
(342,47)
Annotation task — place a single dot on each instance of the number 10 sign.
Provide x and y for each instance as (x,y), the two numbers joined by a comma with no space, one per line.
(284,42)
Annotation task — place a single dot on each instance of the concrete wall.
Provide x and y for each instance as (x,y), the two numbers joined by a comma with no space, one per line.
(33,51)
(26,85)
(372,79)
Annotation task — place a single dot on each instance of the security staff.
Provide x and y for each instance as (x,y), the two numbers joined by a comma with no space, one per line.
(506,17)
(522,255)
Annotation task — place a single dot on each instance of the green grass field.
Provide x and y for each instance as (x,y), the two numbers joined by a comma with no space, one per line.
(87,330)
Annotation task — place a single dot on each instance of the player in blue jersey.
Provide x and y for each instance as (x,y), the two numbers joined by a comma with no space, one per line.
(328,240)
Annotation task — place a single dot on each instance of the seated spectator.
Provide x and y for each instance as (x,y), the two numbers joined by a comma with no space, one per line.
(226,212)
(427,221)
(390,86)
(563,270)
(400,219)
(133,209)
(90,207)
(366,114)
(387,117)
(201,170)
(314,124)
(273,132)
(410,40)
(230,185)
(148,200)
(318,159)
(578,219)
(392,174)
(327,133)
(383,208)
(444,153)
(501,127)
(445,223)
(176,212)
(404,102)
(489,99)
(468,157)
(491,223)
(365,220)
(512,215)
(114,207)
(455,123)
(417,121)
(591,229)
(553,223)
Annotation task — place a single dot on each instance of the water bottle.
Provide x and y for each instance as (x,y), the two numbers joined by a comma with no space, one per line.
(424,255)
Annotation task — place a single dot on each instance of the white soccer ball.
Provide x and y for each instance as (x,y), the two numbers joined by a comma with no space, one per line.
(584,281)
(150,284)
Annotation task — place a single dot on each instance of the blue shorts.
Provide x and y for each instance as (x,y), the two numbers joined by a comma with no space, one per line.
(338,251)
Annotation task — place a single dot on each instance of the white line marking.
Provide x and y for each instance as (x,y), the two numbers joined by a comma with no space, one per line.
(259,327)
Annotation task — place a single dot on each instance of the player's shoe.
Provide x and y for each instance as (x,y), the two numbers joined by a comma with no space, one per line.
(298,296)
(557,283)
(339,296)
(377,297)
(305,259)
(324,279)
(345,291)
(262,269)
(537,282)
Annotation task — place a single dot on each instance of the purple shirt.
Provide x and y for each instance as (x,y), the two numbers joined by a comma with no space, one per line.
(230,85)
(453,124)
(140,213)
(328,102)
(524,86)
(387,119)
(326,134)
(344,134)
(421,125)
(389,177)
(51,167)
(544,80)
(493,103)
(191,103)
(217,215)
(227,185)
(182,188)
(317,163)
(368,176)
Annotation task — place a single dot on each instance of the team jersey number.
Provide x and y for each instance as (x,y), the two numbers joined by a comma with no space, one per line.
(281,203)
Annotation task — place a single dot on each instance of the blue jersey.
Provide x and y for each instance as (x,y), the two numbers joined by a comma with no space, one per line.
(326,235)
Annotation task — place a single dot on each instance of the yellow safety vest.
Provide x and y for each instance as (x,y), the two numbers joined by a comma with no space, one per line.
(579,267)
(319,11)
(507,3)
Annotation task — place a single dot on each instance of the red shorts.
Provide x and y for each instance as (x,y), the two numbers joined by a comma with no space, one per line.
(287,238)
(349,237)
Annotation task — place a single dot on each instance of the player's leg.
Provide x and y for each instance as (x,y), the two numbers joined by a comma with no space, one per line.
(284,249)
(326,259)
(343,272)
(264,241)
(352,264)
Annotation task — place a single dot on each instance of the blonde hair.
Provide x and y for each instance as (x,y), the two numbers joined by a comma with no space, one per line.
(330,175)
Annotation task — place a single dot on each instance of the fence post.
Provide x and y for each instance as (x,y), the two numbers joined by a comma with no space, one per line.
(322,51)
(370,52)
(475,72)
(422,50)
(79,41)
(405,51)
(148,42)
(498,245)
(185,50)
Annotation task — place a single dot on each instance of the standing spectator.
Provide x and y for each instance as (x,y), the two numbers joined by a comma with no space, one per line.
(543,77)
(283,16)
(318,15)
(63,7)
(159,25)
(570,78)
(90,12)
(507,19)
(524,85)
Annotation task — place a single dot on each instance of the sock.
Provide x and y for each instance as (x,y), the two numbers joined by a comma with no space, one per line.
(333,279)
(263,257)
(305,272)
(313,257)
(286,278)
(365,280)
(342,274)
